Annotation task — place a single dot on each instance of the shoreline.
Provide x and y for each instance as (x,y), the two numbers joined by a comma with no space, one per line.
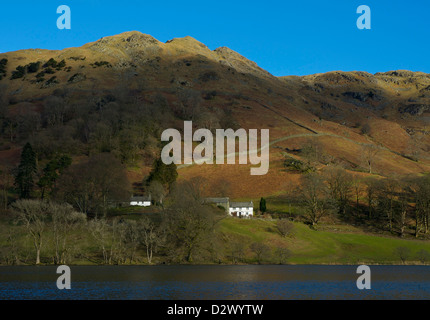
(223,265)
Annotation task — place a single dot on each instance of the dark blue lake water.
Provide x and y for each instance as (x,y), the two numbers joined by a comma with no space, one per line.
(215,282)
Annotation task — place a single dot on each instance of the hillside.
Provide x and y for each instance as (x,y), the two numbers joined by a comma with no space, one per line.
(79,106)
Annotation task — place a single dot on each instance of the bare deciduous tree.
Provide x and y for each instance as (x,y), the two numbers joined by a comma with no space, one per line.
(315,197)
(282,254)
(423,256)
(64,221)
(11,250)
(132,239)
(368,155)
(421,192)
(6,179)
(371,189)
(90,185)
(151,237)
(261,250)
(33,214)
(339,182)
(237,250)
(387,191)
(403,207)
(189,222)
(403,253)
(357,186)
(100,231)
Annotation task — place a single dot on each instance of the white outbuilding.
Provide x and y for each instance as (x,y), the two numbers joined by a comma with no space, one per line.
(140,201)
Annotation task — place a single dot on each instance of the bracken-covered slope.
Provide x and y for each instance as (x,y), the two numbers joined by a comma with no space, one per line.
(338,113)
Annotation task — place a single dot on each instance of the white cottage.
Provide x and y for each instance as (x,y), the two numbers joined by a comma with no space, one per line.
(140,201)
(241,209)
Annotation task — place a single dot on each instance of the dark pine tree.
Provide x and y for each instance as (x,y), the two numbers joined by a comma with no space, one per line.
(24,178)
(50,175)
(263,205)
(166,174)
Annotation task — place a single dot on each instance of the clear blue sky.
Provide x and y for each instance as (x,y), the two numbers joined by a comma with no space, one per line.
(284,37)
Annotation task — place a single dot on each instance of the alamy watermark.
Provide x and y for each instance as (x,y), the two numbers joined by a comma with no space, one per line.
(364,281)
(364,21)
(65,20)
(204,152)
(64,281)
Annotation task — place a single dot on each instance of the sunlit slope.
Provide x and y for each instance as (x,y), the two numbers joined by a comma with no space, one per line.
(341,112)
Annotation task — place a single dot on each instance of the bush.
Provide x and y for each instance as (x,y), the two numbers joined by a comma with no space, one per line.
(49,70)
(21,71)
(77,58)
(76,78)
(3,63)
(210,95)
(285,227)
(209,76)
(33,67)
(365,129)
(51,63)
(50,82)
(61,64)
(294,165)
(18,73)
(100,64)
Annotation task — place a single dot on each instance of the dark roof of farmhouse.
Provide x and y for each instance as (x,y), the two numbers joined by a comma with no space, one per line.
(215,200)
(141,198)
(241,204)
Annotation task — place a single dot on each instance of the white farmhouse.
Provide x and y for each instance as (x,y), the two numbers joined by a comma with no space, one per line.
(241,209)
(140,201)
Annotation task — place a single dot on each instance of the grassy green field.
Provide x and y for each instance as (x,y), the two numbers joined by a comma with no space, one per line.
(341,245)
